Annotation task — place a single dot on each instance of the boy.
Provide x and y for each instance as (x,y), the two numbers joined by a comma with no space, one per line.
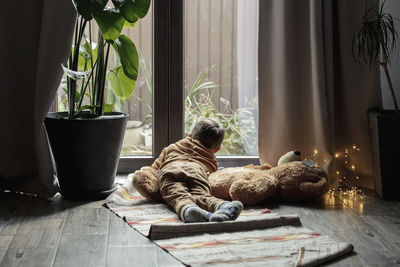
(183,170)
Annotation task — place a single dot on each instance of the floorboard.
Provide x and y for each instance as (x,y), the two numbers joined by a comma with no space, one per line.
(56,232)
(82,250)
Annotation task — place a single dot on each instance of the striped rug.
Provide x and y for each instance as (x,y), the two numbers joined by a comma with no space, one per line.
(257,238)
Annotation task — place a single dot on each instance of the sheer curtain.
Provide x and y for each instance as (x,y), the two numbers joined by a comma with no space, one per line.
(247,68)
(36,38)
(312,96)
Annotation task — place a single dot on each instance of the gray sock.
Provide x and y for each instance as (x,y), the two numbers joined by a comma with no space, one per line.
(195,214)
(227,211)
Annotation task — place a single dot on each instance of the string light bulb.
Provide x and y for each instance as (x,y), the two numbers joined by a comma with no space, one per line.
(344,172)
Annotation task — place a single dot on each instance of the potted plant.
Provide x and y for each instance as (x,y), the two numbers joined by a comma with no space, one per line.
(86,140)
(374,43)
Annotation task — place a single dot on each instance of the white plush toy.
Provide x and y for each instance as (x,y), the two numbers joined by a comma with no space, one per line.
(289,157)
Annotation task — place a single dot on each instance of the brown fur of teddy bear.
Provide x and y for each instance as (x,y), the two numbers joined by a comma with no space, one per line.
(298,181)
(250,184)
(146,183)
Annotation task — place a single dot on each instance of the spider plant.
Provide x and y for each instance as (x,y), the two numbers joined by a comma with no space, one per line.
(375,41)
(88,61)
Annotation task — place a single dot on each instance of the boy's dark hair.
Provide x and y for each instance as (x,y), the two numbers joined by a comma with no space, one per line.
(209,132)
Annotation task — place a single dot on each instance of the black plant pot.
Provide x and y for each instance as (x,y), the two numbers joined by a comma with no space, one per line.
(86,153)
(385,140)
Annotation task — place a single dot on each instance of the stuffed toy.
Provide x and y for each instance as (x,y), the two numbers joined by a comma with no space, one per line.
(146,183)
(291,179)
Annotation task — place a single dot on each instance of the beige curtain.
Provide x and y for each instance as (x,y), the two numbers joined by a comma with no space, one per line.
(312,96)
(36,38)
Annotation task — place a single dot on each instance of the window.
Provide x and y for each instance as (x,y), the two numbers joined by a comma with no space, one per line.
(220,39)
(194,62)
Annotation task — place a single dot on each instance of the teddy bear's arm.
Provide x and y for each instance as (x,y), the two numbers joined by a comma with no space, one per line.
(157,163)
(319,187)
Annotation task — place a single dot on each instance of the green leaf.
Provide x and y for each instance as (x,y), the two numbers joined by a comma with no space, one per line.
(121,85)
(134,9)
(129,56)
(108,107)
(87,51)
(85,8)
(141,7)
(130,25)
(75,74)
(118,3)
(110,22)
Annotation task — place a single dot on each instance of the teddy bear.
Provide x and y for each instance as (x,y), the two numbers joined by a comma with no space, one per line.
(291,179)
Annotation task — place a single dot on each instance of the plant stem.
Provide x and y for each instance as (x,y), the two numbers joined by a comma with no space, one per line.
(103,82)
(101,77)
(87,83)
(91,63)
(70,83)
(99,73)
(72,87)
(385,68)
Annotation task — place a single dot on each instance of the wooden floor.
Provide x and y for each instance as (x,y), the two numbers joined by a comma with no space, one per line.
(40,232)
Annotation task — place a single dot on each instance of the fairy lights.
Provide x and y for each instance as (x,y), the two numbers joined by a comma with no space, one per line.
(313,157)
(345,174)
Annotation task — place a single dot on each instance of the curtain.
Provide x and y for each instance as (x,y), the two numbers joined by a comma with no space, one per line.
(247,38)
(36,39)
(312,96)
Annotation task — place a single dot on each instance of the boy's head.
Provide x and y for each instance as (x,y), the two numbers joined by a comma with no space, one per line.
(209,132)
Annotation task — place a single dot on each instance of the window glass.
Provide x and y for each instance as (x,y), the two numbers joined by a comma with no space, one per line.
(221,70)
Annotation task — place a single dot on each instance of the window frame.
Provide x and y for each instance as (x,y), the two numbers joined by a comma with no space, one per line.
(168,81)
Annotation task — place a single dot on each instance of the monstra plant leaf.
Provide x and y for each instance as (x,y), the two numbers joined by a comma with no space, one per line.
(132,10)
(86,7)
(128,55)
(110,22)
(121,85)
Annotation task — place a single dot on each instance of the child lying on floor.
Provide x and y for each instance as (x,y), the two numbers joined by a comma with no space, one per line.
(183,170)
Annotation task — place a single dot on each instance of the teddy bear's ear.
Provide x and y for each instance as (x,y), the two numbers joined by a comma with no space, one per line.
(289,157)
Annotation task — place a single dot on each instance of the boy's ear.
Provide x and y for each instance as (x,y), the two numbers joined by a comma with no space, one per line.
(217,149)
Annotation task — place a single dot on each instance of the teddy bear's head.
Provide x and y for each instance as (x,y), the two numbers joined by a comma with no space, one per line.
(299,180)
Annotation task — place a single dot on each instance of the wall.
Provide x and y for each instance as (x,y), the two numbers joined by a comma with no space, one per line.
(393,6)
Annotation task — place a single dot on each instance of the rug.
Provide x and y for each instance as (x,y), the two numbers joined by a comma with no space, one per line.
(257,238)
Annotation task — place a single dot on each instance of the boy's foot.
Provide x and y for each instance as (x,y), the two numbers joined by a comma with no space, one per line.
(195,214)
(227,211)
